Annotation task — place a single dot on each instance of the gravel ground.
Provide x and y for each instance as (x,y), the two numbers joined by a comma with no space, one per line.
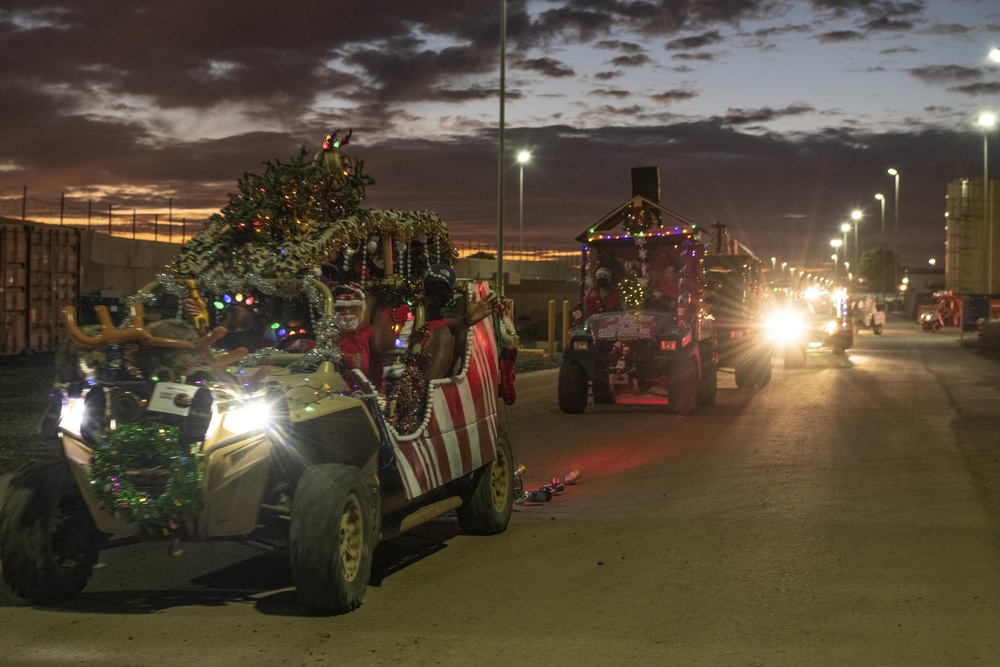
(24,389)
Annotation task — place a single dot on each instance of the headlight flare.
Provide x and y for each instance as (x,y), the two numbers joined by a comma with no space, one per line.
(785,326)
(247,418)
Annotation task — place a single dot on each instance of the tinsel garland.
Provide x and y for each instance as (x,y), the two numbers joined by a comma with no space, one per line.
(160,444)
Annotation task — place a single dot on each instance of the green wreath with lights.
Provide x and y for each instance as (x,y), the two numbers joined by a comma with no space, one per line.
(181,496)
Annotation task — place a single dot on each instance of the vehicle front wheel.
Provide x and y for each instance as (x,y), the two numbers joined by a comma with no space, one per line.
(602,390)
(573,382)
(48,541)
(331,539)
(486,509)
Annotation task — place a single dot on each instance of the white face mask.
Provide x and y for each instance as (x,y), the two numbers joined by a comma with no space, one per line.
(347,323)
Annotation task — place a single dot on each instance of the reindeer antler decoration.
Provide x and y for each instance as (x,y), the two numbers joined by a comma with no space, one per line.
(112,335)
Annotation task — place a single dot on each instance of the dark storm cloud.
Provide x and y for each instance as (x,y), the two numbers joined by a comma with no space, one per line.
(694,56)
(991,88)
(694,41)
(944,73)
(885,23)
(839,36)
(604,92)
(631,61)
(616,45)
(547,66)
(744,116)
(673,96)
(948,30)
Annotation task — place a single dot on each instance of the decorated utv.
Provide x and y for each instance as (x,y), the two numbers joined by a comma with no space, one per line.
(175,429)
(641,326)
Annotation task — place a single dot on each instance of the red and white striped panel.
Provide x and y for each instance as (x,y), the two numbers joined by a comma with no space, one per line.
(459,431)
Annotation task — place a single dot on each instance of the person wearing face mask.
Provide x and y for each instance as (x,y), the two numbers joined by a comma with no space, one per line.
(362,345)
(602,297)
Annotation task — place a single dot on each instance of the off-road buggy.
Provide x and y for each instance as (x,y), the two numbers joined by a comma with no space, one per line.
(282,439)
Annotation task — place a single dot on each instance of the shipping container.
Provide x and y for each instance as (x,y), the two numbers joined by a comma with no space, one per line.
(39,269)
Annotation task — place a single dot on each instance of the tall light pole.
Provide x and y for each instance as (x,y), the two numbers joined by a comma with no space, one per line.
(986,121)
(845,228)
(856,217)
(522,159)
(501,155)
(895,227)
(881,199)
(774,266)
(835,243)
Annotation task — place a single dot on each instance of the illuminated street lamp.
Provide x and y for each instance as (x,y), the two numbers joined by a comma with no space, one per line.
(522,159)
(987,121)
(783,265)
(895,227)
(774,266)
(995,55)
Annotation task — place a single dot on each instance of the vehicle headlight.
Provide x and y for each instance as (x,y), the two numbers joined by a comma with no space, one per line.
(247,418)
(785,326)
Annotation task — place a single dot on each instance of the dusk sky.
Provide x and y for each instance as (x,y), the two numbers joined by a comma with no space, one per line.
(775,118)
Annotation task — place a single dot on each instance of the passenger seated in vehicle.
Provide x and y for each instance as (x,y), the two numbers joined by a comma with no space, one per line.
(448,318)
(664,288)
(603,296)
(362,344)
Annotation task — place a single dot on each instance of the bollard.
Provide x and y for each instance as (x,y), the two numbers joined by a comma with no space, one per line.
(552,328)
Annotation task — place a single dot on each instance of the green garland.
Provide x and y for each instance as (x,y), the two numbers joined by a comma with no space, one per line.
(180,498)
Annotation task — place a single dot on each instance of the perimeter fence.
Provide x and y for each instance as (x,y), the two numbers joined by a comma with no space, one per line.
(173,224)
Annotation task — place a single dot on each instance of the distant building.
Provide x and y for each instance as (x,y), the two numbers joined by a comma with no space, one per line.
(967,237)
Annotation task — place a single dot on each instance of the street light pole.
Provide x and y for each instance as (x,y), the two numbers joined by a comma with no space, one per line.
(856,217)
(895,228)
(522,159)
(987,120)
(881,199)
(501,156)
(836,243)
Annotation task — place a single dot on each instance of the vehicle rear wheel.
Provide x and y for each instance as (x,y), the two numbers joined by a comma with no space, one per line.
(48,541)
(486,510)
(331,538)
(682,386)
(572,388)
(602,390)
(708,388)
(744,374)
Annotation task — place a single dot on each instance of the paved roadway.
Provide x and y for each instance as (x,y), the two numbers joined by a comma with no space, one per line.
(847,514)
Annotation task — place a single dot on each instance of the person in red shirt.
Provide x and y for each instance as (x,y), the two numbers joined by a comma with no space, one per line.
(602,297)
(361,344)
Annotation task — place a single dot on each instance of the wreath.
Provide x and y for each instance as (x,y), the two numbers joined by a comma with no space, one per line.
(160,448)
